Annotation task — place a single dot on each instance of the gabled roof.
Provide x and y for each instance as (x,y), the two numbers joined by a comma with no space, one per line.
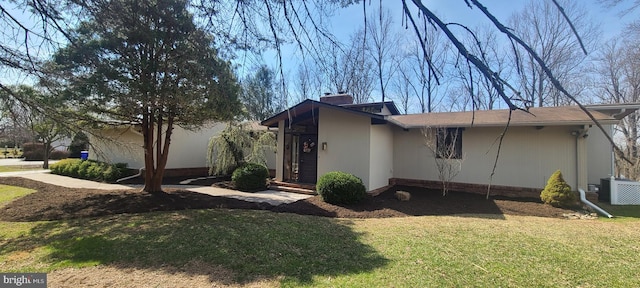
(543,116)
(307,106)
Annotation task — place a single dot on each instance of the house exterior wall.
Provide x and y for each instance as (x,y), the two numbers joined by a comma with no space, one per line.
(527,158)
(188,148)
(348,143)
(599,156)
(381,156)
(117,145)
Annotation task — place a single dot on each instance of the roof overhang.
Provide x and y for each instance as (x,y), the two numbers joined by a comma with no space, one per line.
(617,111)
(308,107)
(535,117)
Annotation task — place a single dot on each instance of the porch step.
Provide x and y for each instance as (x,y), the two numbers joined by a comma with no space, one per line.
(308,189)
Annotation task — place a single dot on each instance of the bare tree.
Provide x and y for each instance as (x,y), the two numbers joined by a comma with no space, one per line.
(307,82)
(480,91)
(445,144)
(349,69)
(618,70)
(403,88)
(359,69)
(383,47)
(545,29)
(626,10)
(260,96)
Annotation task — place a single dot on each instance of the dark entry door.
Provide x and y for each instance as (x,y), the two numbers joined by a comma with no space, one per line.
(308,161)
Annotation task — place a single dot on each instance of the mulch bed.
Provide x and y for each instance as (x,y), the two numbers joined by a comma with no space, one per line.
(52,202)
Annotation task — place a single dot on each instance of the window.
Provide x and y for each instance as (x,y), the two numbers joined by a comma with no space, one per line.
(449,143)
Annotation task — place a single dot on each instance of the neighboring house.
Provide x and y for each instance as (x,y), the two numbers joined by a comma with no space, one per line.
(122,143)
(375,143)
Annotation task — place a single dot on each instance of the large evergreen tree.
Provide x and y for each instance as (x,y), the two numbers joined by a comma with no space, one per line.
(259,95)
(147,63)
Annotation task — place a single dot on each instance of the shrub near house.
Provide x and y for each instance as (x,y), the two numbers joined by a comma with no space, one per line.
(90,170)
(341,188)
(557,192)
(250,177)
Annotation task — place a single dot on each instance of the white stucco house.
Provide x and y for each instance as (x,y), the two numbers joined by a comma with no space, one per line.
(122,143)
(375,143)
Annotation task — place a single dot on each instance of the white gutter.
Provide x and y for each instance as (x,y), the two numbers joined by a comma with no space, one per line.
(584,200)
(131,177)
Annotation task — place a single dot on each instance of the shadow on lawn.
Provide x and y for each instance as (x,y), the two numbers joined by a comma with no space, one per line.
(252,244)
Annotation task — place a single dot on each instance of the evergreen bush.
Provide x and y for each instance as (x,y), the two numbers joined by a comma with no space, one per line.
(250,177)
(557,192)
(90,170)
(341,188)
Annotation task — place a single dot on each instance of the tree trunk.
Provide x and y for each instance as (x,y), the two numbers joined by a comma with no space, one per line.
(155,167)
(46,155)
(153,183)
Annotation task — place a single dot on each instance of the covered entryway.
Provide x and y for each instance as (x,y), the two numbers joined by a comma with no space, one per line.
(301,154)
(308,148)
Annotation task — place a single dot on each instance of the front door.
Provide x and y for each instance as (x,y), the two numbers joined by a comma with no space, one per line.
(308,158)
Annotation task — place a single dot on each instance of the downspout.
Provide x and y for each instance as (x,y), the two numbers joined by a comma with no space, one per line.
(584,200)
(131,177)
(580,135)
(613,155)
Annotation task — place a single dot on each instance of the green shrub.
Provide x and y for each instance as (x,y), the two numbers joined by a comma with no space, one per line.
(95,171)
(90,170)
(557,192)
(250,177)
(62,166)
(113,173)
(83,167)
(341,188)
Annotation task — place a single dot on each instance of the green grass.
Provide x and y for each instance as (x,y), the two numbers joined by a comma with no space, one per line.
(10,153)
(295,250)
(19,168)
(8,193)
(628,211)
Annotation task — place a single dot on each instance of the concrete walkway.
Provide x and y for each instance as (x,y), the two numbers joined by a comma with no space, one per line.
(21,162)
(268,196)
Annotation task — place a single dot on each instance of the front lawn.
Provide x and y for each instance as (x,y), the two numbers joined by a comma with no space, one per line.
(10,153)
(244,247)
(623,211)
(8,193)
(19,168)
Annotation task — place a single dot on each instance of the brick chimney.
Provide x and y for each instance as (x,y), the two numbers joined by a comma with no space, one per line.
(337,99)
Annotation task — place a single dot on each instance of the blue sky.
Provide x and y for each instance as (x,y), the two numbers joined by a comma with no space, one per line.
(349,19)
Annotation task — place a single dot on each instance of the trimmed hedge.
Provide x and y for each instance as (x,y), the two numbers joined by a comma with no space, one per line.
(557,192)
(58,155)
(33,151)
(250,177)
(90,170)
(341,188)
